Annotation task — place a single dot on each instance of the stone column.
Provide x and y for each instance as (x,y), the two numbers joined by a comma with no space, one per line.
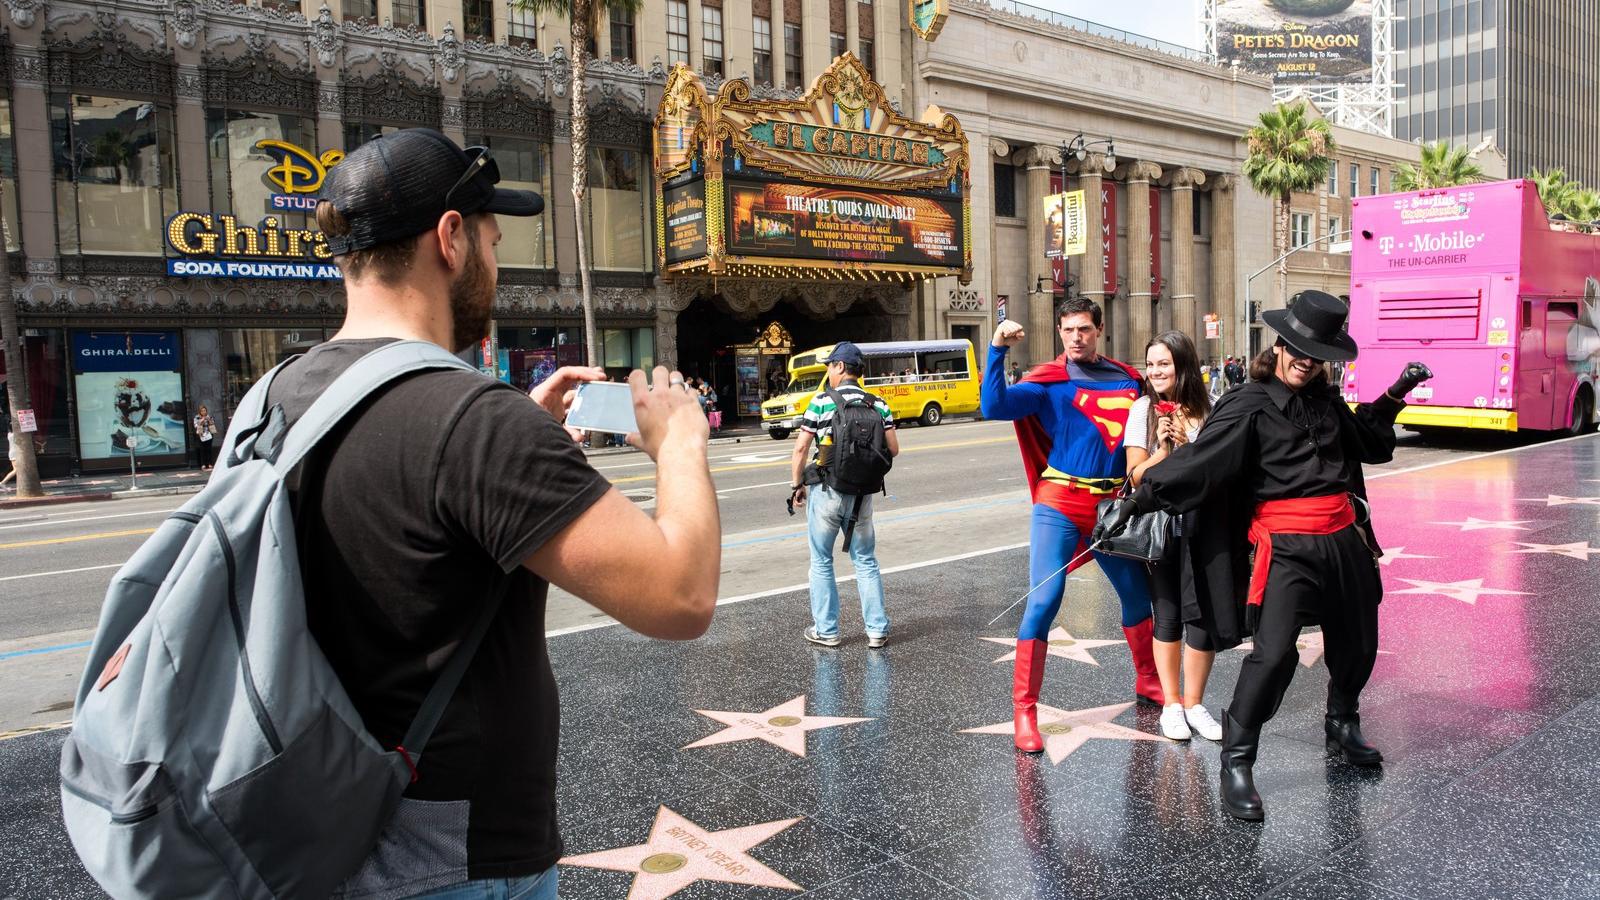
(1235,331)
(1183,182)
(666,336)
(30,114)
(1140,308)
(1041,342)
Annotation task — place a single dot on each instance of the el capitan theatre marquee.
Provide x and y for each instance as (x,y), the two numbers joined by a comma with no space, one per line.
(219,245)
(833,186)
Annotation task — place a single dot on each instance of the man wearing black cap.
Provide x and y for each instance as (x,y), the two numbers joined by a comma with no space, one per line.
(830,509)
(1291,450)
(447,487)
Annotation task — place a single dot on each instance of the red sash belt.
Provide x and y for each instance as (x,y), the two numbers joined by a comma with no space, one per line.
(1303,515)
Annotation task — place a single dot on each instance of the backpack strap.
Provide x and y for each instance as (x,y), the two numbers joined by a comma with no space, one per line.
(366,375)
(444,688)
(248,420)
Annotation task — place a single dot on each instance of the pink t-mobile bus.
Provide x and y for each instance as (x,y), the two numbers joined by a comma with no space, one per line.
(1501,303)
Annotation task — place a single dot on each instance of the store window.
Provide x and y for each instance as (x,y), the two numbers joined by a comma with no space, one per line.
(129,398)
(1299,230)
(358,133)
(677,32)
(626,349)
(359,9)
(250,353)
(1005,189)
(793,56)
(761,54)
(237,166)
(8,180)
(46,355)
(521,29)
(530,355)
(711,40)
(478,19)
(617,210)
(836,44)
(622,35)
(867,57)
(411,13)
(116,175)
(526,242)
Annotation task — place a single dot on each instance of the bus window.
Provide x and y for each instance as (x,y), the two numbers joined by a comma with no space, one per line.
(1559,319)
(808,384)
(889,369)
(1527,314)
(948,363)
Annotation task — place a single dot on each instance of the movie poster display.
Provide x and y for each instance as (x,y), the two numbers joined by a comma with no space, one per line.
(129,387)
(1066,225)
(805,221)
(1298,41)
(686,221)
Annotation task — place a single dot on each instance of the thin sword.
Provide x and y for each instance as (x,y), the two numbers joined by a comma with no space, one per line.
(1070,564)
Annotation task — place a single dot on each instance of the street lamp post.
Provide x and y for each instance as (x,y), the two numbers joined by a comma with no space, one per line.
(1244,330)
(1078,148)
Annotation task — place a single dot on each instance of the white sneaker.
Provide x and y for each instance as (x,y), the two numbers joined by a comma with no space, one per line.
(1172,722)
(1200,720)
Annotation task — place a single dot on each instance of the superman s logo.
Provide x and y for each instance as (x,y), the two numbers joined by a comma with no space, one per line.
(1108,410)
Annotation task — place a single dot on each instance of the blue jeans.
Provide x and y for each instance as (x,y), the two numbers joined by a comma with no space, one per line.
(533,887)
(826,512)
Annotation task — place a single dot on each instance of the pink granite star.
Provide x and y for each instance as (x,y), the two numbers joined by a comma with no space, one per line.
(784,725)
(678,853)
(1467,591)
(1392,555)
(1309,645)
(1064,731)
(1061,644)
(1579,550)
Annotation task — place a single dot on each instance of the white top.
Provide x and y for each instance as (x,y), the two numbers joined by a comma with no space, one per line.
(1139,424)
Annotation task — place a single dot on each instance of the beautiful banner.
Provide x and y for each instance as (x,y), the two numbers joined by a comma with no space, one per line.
(1066,224)
(803,221)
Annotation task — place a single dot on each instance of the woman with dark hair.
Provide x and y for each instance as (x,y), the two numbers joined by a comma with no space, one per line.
(1158,424)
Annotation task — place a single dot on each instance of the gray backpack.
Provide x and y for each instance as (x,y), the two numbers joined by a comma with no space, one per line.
(213,751)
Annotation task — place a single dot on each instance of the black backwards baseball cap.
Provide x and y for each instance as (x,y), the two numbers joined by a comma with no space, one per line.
(397,185)
(846,352)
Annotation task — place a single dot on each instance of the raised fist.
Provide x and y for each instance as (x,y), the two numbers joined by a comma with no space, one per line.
(1009,334)
(1415,373)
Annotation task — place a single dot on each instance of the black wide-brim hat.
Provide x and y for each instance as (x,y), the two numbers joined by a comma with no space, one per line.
(1313,326)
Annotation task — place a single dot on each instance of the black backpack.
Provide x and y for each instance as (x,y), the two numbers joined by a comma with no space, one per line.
(859,457)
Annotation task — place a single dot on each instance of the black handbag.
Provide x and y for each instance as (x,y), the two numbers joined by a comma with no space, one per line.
(1148,536)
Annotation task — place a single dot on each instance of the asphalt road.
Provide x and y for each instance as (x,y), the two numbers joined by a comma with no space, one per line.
(956,491)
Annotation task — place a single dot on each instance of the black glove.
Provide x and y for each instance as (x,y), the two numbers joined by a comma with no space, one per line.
(1415,374)
(796,494)
(1112,525)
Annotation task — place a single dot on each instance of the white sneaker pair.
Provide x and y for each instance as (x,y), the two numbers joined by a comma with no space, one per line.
(1180,724)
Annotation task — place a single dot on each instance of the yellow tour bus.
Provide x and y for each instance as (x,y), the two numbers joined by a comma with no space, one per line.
(921,380)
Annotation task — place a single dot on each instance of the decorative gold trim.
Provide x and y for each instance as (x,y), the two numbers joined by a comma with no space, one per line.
(941,12)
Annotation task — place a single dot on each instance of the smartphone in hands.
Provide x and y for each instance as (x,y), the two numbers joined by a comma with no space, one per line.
(603,406)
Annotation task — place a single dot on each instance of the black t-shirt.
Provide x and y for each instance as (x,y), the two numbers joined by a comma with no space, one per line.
(409,515)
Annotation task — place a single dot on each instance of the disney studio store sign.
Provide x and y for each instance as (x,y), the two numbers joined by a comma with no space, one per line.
(219,245)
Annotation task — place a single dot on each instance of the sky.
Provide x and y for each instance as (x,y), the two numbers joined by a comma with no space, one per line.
(1177,21)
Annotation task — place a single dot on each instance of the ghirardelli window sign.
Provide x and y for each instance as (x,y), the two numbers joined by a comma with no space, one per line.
(835,185)
(220,245)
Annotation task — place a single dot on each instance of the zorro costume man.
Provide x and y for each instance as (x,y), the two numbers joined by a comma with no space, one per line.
(1289,448)
(1070,416)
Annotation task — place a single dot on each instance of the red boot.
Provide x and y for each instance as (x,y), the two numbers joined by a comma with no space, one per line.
(1026,677)
(1146,682)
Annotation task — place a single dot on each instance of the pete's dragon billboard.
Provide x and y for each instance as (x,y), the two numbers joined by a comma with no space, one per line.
(1298,41)
(805,221)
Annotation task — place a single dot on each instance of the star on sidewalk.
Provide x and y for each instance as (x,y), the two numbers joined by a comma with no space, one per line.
(1064,731)
(1398,553)
(1062,644)
(1476,524)
(1309,645)
(678,853)
(1558,500)
(1466,591)
(1580,550)
(784,725)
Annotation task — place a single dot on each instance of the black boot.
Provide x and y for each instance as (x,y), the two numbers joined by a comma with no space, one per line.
(1346,741)
(1238,755)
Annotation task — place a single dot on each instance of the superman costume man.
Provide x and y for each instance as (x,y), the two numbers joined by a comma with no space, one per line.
(1070,415)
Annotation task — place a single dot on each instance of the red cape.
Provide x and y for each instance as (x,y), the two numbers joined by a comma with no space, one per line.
(1031,437)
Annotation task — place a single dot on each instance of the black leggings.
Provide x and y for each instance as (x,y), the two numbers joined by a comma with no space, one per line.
(206,451)
(1166,595)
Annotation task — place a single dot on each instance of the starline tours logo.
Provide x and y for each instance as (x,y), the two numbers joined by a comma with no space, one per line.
(217,245)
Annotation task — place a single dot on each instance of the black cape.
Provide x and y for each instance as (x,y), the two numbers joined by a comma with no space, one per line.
(1208,482)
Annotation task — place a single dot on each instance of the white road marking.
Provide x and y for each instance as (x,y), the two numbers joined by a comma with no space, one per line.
(751,487)
(49,521)
(63,571)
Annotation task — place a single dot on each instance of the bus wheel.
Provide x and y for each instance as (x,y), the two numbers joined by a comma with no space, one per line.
(778,434)
(1582,412)
(933,415)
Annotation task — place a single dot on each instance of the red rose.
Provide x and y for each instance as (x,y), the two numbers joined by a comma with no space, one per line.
(1166,408)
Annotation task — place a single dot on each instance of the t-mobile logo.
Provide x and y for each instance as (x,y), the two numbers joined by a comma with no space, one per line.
(1385,244)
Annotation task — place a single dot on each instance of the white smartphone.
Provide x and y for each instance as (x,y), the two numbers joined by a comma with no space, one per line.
(603,406)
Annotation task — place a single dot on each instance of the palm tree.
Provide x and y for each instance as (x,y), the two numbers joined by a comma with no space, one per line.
(1289,151)
(581,14)
(1554,189)
(1583,207)
(1440,167)
(17,385)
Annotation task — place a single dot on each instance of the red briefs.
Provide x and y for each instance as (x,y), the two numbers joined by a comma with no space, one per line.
(1303,515)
